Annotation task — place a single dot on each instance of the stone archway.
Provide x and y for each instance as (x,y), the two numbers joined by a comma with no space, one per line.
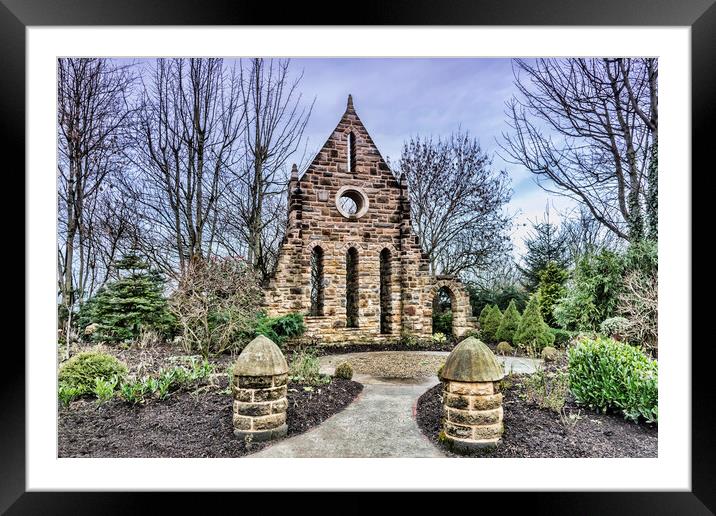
(462,318)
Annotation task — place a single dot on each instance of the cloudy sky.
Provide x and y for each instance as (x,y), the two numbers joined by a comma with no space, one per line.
(399,98)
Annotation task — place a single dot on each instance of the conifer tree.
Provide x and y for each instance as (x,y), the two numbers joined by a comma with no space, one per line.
(550,290)
(492,323)
(545,244)
(122,308)
(508,325)
(483,315)
(532,331)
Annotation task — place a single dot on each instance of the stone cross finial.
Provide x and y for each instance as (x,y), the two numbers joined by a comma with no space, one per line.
(294,172)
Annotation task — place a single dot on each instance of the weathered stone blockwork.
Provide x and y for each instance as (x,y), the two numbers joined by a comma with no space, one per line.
(352,166)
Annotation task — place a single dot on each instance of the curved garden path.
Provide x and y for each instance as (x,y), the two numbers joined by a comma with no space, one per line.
(381,420)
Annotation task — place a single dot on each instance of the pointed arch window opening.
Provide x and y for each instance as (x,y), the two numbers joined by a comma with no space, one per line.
(385,294)
(351,153)
(352,286)
(317,282)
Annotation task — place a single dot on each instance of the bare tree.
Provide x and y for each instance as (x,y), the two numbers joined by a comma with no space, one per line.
(188,136)
(457,202)
(275,119)
(585,128)
(585,235)
(92,118)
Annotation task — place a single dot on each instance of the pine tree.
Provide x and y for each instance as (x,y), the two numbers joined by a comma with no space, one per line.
(508,325)
(532,330)
(492,323)
(550,290)
(122,308)
(545,244)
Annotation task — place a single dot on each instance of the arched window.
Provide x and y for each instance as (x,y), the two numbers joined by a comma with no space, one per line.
(317,281)
(352,288)
(385,303)
(351,153)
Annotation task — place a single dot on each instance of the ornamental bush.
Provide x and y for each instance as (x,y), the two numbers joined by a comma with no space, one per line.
(281,328)
(492,324)
(483,315)
(561,337)
(344,370)
(80,373)
(509,323)
(607,374)
(532,332)
(550,290)
(614,327)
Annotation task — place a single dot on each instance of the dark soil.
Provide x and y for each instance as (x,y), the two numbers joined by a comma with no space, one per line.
(187,424)
(531,431)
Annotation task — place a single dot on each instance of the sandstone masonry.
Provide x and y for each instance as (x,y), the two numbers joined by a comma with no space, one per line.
(350,261)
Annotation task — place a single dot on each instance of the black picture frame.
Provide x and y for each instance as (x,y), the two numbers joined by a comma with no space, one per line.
(700,15)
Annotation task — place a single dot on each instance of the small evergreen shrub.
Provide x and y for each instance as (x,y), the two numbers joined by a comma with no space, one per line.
(604,373)
(532,332)
(483,315)
(492,324)
(281,328)
(549,354)
(561,337)
(614,327)
(504,348)
(509,323)
(79,373)
(344,370)
(550,290)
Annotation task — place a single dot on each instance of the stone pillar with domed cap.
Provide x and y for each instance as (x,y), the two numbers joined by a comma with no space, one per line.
(259,387)
(472,402)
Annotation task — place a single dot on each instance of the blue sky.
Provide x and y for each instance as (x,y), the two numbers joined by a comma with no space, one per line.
(399,98)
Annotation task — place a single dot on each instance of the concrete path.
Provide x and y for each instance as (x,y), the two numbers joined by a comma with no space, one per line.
(379,423)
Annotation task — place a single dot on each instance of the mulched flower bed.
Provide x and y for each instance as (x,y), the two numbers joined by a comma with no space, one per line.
(531,431)
(186,424)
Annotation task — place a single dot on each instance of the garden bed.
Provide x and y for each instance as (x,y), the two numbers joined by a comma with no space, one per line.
(187,424)
(532,431)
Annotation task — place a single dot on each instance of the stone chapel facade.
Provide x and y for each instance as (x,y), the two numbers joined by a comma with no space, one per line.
(350,261)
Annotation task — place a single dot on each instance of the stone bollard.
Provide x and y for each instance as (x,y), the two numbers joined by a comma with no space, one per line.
(472,402)
(259,386)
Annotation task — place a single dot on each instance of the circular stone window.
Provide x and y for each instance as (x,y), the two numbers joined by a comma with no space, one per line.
(351,202)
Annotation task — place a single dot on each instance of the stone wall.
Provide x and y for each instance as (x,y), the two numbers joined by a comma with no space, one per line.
(381,222)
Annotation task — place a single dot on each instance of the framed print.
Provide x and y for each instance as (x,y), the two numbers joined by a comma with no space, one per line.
(414,248)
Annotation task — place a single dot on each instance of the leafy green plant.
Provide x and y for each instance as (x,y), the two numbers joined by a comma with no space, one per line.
(547,389)
(439,338)
(532,333)
(104,389)
(604,373)
(492,324)
(123,308)
(509,323)
(407,338)
(68,393)
(344,370)
(561,337)
(550,290)
(80,371)
(305,368)
(281,328)
(133,391)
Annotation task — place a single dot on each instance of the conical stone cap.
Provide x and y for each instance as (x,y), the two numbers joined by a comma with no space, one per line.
(261,357)
(472,361)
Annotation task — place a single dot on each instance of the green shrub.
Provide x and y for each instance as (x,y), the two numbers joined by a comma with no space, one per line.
(104,389)
(593,294)
(439,338)
(561,337)
(133,391)
(550,290)
(504,348)
(492,324)
(532,333)
(281,328)
(483,315)
(604,373)
(344,370)
(442,322)
(305,368)
(407,338)
(67,394)
(123,308)
(615,327)
(547,389)
(509,323)
(80,371)
(549,354)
